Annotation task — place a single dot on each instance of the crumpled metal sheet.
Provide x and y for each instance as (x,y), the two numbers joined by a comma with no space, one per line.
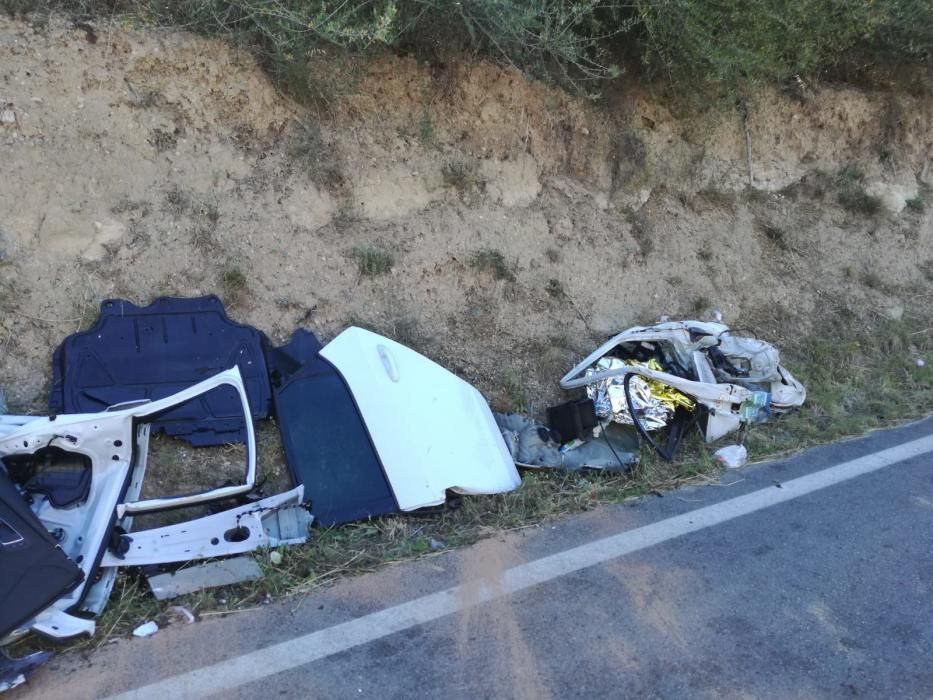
(654,401)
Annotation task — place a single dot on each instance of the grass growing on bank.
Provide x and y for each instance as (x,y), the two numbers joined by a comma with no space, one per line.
(856,381)
(574,43)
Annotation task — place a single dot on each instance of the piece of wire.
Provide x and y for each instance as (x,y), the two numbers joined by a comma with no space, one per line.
(615,454)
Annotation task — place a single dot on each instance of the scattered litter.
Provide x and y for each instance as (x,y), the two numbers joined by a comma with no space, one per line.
(731,456)
(677,374)
(193,579)
(180,614)
(7,117)
(275,557)
(146,629)
(920,363)
(436,544)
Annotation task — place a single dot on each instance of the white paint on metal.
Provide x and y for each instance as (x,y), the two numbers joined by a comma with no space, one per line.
(432,430)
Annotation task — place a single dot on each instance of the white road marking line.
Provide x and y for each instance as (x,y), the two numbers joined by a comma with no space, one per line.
(246,668)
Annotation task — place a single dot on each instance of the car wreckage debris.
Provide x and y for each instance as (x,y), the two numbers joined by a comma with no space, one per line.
(151,352)
(668,377)
(14,672)
(115,444)
(193,579)
(70,483)
(535,446)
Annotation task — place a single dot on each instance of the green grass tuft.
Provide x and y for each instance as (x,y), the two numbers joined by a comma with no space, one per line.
(493,262)
(371,260)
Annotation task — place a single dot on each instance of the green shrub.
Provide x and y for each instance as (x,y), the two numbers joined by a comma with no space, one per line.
(730,43)
(734,42)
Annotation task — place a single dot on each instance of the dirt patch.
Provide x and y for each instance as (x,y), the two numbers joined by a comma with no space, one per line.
(482,568)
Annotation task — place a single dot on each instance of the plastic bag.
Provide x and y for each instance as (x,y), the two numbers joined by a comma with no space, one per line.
(731,456)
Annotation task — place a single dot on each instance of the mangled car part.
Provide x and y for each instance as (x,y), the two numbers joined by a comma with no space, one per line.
(534,446)
(433,431)
(327,446)
(34,570)
(113,445)
(371,427)
(732,379)
(277,520)
(152,352)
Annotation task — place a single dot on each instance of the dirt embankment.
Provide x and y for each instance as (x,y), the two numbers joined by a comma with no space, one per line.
(520,223)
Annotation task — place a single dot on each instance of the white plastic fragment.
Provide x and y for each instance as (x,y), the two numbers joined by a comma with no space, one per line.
(194,579)
(146,630)
(275,557)
(731,456)
(180,614)
(920,362)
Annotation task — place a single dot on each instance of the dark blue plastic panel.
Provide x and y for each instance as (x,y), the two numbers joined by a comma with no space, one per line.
(34,571)
(327,446)
(136,352)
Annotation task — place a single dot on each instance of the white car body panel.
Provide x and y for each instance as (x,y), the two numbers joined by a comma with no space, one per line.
(203,538)
(116,441)
(432,430)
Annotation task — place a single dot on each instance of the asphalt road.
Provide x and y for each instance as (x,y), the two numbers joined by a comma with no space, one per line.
(805,578)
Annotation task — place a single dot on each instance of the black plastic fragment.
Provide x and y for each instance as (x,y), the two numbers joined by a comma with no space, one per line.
(327,446)
(682,421)
(150,352)
(34,571)
(573,419)
(63,477)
